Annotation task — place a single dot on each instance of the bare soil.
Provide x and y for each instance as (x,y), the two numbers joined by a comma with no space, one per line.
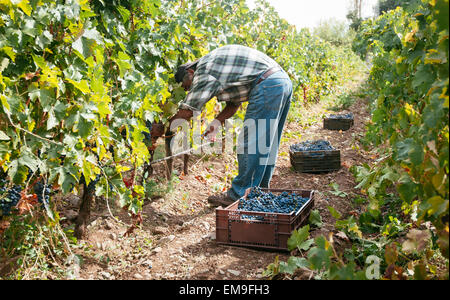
(177,237)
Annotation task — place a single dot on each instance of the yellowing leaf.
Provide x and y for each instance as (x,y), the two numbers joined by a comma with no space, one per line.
(438,205)
(121,168)
(409,110)
(432,61)
(400,59)
(5,104)
(83,85)
(25,6)
(10,52)
(409,38)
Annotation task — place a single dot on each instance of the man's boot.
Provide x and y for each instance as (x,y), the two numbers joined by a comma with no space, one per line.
(220,200)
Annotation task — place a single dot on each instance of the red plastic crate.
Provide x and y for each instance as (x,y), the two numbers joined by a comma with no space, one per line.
(272,232)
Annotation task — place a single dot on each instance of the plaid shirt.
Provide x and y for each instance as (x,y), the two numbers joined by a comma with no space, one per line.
(227,73)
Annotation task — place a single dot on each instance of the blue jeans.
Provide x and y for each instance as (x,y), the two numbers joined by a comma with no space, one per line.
(267,109)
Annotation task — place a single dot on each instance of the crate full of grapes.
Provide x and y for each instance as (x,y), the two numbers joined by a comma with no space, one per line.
(338,122)
(314,157)
(263,218)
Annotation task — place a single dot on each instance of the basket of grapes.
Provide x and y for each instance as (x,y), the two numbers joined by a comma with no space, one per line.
(263,218)
(314,157)
(338,122)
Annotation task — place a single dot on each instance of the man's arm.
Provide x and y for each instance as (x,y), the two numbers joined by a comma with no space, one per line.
(229,110)
(182,114)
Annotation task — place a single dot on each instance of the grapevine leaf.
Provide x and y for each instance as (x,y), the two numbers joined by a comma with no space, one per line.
(25,7)
(438,205)
(319,256)
(51,121)
(334,213)
(315,218)
(28,159)
(298,237)
(67,179)
(17,172)
(4,136)
(10,52)
(293,264)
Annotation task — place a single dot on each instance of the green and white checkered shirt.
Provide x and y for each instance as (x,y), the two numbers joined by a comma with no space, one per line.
(227,73)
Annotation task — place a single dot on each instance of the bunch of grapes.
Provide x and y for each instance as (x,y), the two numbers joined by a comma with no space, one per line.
(11,199)
(342,116)
(147,135)
(319,145)
(43,192)
(91,186)
(260,201)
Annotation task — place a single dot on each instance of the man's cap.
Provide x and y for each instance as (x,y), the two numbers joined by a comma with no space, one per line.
(182,70)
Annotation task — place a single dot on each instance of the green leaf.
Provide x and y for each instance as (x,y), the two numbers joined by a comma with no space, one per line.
(124,13)
(67,179)
(51,121)
(293,264)
(423,78)
(334,213)
(407,189)
(336,191)
(409,149)
(319,257)
(17,172)
(123,63)
(298,237)
(346,272)
(84,46)
(441,12)
(47,98)
(29,159)
(84,127)
(315,218)
(29,28)
(438,205)
(4,136)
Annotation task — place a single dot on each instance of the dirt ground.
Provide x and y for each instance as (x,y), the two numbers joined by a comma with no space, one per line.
(177,237)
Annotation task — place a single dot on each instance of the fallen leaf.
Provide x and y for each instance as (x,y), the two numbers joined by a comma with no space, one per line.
(342,236)
(4,224)
(200,178)
(347,164)
(354,213)
(417,240)
(26,203)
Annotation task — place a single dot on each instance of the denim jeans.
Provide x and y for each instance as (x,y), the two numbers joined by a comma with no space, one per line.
(267,109)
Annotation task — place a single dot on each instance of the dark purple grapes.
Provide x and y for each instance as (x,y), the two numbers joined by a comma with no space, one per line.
(260,201)
(12,197)
(92,183)
(42,192)
(342,116)
(147,135)
(319,145)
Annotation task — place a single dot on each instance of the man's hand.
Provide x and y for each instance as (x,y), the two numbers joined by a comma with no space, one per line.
(229,110)
(211,132)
